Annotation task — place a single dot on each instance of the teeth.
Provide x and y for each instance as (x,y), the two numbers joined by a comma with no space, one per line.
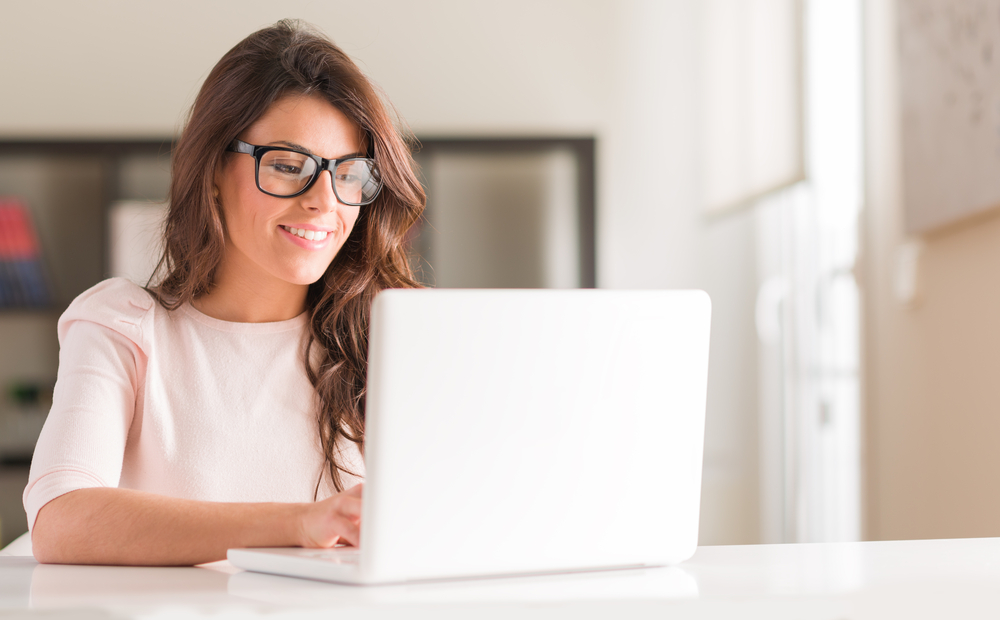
(311,235)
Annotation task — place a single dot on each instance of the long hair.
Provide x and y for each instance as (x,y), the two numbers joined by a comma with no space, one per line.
(291,58)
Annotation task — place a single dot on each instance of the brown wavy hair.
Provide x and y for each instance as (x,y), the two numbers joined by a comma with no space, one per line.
(292,58)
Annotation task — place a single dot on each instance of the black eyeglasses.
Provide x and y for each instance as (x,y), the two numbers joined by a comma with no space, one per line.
(286,173)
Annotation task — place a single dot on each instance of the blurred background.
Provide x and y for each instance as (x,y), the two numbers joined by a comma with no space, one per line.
(825,169)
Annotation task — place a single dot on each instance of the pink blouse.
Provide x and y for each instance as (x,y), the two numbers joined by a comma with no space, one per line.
(180,404)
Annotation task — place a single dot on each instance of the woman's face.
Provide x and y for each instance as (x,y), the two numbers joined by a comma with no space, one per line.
(260,244)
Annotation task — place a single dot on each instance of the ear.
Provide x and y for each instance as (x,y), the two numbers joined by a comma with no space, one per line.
(217,178)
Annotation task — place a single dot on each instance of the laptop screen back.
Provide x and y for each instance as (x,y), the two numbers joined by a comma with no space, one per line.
(533,430)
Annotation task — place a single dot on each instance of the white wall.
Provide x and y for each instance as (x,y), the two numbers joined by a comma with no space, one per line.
(118,67)
(624,71)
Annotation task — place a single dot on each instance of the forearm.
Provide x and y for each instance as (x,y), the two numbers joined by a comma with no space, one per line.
(121,526)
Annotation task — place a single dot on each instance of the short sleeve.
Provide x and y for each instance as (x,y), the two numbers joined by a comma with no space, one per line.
(102,362)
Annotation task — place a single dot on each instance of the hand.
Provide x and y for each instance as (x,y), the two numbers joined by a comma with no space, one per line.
(336,519)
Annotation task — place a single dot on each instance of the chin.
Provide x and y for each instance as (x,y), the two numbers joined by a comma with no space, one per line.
(302,274)
(308,278)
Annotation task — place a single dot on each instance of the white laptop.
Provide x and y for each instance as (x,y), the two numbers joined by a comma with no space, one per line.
(513,432)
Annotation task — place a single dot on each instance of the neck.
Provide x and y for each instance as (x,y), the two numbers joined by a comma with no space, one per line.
(241,299)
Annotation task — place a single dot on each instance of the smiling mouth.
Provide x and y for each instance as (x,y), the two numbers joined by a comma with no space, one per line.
(310,235)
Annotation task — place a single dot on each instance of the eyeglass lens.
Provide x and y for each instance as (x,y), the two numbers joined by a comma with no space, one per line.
(285,173)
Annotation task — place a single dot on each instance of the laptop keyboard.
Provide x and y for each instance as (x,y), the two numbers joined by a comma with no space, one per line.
(334,556)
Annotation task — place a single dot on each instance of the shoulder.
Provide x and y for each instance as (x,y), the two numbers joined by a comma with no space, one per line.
(116,304)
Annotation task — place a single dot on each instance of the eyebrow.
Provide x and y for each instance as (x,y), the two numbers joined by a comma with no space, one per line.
(299,147)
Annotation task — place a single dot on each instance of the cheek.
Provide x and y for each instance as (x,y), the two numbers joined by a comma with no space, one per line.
(351,222)
(242,204)
(350,227)
(244,213)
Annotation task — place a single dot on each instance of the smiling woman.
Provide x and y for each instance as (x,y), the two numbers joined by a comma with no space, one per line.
(223,407)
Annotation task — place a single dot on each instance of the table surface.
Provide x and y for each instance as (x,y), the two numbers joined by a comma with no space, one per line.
(905,579)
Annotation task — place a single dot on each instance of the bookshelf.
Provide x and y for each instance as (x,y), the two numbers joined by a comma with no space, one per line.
(69,185)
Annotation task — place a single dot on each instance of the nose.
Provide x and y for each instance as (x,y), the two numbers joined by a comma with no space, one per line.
(321,198)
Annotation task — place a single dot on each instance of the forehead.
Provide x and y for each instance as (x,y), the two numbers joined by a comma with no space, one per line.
(308,121)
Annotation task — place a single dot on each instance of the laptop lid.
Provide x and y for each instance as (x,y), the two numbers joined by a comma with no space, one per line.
(532,431)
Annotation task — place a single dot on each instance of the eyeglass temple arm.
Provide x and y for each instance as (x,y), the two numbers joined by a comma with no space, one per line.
(239,146)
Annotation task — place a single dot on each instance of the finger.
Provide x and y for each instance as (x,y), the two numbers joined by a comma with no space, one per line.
(355,490)
(348,532)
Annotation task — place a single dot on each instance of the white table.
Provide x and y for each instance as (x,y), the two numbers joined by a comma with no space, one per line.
(907,580)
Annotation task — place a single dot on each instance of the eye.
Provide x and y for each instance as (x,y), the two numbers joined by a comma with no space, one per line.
(288,164)
(284,168)
(353,173)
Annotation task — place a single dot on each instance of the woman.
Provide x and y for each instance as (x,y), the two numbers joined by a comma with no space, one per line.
(225,406)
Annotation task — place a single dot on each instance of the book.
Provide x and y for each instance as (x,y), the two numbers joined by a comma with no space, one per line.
(23,279)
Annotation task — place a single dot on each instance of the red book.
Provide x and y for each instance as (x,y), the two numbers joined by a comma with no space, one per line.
(22,274)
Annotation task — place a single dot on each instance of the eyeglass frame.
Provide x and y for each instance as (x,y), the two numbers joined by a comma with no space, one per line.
(239,146)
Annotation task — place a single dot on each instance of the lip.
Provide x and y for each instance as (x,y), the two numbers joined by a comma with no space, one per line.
(306,243)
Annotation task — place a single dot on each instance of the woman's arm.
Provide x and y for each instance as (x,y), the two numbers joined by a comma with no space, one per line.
(122,526)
